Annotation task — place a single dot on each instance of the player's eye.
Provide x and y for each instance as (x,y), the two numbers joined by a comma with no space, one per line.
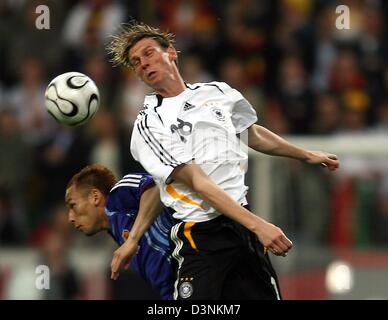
(149,53)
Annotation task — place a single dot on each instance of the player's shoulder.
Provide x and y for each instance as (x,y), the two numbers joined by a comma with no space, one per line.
(220,86)
(131,180)
(151,100)
(147,113)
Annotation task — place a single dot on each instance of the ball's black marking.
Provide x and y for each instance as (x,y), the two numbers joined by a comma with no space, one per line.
(72,112)
(72,85)
(92,97)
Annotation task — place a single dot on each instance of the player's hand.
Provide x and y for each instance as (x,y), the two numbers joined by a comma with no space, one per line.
(324,159)
(273,239)
(122,257)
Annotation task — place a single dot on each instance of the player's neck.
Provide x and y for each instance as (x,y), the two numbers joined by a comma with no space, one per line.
(172,86)
(104,220)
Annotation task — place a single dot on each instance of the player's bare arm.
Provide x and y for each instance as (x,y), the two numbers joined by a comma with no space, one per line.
(149,208)
(265,141)
(269,235)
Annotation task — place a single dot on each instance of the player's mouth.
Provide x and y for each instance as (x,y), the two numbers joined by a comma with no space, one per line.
(151,74)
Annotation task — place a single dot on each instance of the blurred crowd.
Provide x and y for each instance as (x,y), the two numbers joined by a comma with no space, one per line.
(304,77)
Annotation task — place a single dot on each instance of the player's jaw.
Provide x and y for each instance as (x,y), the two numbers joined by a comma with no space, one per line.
(150,77)
(88,231)
(159,78)
(84,218)
(87,224)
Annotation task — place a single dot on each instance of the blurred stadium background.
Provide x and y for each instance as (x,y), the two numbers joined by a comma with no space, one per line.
(310,82)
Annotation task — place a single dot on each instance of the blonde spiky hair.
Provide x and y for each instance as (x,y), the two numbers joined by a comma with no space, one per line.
(129,35)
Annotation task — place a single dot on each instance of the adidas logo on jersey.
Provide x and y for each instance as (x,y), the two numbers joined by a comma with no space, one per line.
(188,106)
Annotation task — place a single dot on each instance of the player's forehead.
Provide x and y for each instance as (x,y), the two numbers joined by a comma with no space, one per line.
(143,45)
(73,193)
(69,194)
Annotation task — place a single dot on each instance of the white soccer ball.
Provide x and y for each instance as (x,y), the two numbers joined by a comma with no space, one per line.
(72,98)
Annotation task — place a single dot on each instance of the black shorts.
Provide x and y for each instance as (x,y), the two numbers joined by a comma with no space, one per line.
(220,259)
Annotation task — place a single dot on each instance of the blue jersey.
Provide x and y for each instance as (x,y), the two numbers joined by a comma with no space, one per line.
(153,259)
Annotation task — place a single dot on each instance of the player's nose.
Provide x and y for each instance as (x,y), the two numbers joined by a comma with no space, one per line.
(70,217)
(144,63)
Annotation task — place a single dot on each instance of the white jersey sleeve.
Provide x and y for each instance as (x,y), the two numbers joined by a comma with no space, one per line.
(158,150)
(243,114)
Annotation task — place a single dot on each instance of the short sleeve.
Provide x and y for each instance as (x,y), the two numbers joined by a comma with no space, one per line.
(243,114)
(158,150)
(126,193)
(146,182)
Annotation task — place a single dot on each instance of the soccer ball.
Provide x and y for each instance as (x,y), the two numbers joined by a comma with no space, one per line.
(72,98)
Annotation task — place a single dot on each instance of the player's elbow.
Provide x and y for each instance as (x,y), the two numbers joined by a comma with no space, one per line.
(198,186)
(193,177)
(254,137)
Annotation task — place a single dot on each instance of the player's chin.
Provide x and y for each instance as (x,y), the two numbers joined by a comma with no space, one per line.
(153,82)
(89,233)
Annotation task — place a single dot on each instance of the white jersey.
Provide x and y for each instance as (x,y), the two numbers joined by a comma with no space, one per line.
(199,125)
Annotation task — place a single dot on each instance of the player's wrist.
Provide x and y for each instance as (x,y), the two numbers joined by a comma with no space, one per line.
(303,155)
(308,156)
(133,237)
(255,224)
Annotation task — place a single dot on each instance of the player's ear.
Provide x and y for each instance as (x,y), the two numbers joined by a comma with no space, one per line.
(96,197)
(172,53)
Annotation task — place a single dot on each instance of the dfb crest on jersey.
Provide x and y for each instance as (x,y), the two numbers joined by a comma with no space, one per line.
(218,113)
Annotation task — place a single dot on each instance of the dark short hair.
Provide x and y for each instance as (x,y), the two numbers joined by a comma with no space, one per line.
(94,176)
(130,34)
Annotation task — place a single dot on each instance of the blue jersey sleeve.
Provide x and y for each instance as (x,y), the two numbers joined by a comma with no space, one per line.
(127,192)
(123,201)
(146,182)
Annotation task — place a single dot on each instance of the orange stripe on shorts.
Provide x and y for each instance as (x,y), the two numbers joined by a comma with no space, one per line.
(187,233)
